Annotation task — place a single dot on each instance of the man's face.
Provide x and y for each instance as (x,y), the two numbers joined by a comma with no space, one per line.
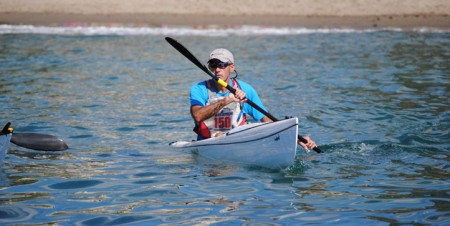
(221,70)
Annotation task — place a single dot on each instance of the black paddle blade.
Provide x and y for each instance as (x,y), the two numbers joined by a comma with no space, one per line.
(40,142)
(183,50)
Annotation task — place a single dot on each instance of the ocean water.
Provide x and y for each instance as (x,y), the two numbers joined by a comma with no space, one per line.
(376,101)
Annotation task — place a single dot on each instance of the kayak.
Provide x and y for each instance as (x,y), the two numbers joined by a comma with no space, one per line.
(5,137)
(269,145)
(28,140)
(34,141)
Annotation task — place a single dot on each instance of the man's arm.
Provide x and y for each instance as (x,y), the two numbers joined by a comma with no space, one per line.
(266,119)
(200,113)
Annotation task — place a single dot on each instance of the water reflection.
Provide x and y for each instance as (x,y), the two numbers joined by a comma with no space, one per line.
(12,214)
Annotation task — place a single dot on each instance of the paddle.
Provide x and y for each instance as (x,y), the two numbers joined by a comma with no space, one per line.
(35,141)
(194,60)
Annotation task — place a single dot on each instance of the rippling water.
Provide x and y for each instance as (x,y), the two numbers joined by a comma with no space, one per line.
(376,101)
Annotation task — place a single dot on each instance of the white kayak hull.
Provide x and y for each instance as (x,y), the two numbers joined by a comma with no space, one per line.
(4,144)
(270,145)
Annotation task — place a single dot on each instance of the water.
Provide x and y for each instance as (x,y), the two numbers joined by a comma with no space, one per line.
(377,102)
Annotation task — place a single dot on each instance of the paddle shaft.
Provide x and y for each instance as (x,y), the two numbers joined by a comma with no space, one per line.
(183,50)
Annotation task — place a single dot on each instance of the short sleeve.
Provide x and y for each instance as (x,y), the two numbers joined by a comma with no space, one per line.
(199,94)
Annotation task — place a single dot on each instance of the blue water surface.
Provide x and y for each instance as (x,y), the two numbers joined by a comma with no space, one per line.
(377,103)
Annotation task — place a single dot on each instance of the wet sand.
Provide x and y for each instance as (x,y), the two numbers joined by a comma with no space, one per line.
(203,13)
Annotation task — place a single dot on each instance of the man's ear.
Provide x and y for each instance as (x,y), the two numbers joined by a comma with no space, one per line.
(232,67)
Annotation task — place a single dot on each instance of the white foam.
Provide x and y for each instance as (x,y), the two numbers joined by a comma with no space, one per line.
(190,31)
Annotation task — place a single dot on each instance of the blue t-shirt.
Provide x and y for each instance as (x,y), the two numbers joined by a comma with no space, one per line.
(199,96)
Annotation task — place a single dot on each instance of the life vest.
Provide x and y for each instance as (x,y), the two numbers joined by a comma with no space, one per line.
(229,117)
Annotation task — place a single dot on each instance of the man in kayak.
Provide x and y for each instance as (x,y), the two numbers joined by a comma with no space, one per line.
(215,109)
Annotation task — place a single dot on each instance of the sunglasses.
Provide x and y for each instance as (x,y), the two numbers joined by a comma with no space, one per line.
(218,64)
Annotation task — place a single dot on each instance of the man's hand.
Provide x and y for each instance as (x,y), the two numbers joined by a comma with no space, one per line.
(239,96)
(310,145)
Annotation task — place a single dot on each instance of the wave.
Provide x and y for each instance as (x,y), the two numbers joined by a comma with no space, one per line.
(192,31)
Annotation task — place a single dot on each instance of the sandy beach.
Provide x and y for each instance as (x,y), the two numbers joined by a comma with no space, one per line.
(201,13)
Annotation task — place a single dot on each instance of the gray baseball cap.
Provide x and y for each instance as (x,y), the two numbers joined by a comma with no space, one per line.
(222,54)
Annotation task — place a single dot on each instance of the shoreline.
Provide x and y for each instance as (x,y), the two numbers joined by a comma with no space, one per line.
(204,21)
(358,14)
